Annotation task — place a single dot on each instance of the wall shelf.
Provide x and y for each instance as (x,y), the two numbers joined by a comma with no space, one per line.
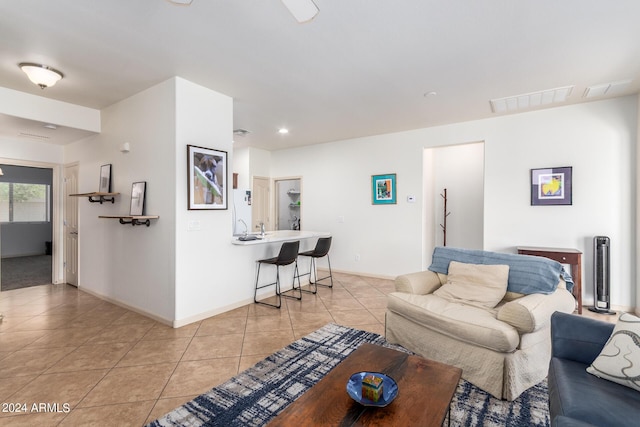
(101,197)
(132,219)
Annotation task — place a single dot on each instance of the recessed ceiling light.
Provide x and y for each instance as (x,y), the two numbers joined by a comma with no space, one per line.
(283,131)
(181,2)
(241,132)
(430,94)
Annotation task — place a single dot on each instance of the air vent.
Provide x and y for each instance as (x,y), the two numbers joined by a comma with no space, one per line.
(530,100)
(33,135)
(614,88)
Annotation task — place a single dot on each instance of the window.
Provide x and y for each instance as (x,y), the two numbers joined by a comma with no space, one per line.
(25,202)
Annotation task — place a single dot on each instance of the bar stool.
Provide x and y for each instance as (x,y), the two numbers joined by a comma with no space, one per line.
(321,250)
(288,255)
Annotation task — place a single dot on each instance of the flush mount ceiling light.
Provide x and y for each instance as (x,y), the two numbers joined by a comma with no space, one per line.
(181,2)
(283,131)
(42,75)
(302,10)
(531,100)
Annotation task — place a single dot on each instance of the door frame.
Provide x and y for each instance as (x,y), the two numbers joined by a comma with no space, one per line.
(276,205)
(56,216)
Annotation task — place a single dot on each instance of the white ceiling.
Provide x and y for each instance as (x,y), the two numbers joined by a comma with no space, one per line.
(361,67)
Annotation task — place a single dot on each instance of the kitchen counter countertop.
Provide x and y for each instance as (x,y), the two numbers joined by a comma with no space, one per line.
(280,236)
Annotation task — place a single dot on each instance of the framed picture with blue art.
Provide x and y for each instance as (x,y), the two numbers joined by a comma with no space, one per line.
(551,186)
(383,189)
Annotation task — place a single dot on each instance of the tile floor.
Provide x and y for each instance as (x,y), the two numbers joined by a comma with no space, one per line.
(105,365)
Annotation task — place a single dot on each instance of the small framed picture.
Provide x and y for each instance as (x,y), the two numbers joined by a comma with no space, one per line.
(138,190)
(383,189)
(105,179)
(551,186)
(207,178)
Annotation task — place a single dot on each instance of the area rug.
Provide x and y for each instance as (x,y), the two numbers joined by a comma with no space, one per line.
(255,396)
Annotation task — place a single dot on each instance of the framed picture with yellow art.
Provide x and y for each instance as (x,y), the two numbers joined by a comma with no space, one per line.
(551,186)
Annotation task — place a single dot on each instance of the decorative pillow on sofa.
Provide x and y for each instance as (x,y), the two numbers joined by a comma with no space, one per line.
(619,360)
(478,284)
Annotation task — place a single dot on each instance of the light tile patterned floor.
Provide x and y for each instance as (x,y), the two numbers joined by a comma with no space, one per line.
(112,366)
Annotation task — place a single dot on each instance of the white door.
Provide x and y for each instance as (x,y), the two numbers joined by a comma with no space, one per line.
(260,203)
(71,225)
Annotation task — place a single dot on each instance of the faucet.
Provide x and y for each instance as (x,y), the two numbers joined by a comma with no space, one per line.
(246,229)
(262,230)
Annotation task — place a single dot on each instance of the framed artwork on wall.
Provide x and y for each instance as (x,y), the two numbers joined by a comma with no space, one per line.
(383,189)
(138,192)
(551,186)
(105,179)
(207,178)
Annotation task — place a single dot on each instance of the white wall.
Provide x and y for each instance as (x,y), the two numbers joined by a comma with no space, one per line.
(131,265)
(597,139)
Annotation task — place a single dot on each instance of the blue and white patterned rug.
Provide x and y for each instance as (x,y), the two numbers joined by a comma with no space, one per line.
(255,396)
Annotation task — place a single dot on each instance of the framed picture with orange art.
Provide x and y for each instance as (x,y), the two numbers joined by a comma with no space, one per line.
(383,189)
(551,186)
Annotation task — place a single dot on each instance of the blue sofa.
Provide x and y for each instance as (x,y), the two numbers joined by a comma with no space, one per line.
(577,398)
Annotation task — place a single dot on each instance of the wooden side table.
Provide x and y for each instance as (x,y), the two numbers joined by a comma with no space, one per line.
(572,257)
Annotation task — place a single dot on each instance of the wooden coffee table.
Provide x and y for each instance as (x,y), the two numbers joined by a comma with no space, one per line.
(425,390)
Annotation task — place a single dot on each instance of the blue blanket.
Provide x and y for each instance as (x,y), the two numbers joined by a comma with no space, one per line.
(527,274)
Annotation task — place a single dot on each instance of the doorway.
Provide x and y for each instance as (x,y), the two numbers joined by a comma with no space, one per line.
(287,202)
(261,191)
(26,226)
(460,170)
(70,227)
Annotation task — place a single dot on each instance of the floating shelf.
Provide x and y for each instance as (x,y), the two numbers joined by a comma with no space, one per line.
(132,219)
(101,197)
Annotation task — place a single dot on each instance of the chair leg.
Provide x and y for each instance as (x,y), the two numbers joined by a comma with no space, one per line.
(293,285)
(315,287)
(330,276)
(277,283)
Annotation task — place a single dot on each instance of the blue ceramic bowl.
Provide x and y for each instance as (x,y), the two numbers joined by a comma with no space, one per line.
(389,389)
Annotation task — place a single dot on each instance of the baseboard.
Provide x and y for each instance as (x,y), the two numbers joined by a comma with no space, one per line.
(356,273)
(128,307)
(178,323)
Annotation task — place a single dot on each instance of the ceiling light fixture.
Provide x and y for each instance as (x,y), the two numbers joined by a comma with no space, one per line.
(302,10)
(181,2)
(41,75)
(283,131)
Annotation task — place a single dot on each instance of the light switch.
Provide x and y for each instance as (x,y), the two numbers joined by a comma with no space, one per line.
(193,226)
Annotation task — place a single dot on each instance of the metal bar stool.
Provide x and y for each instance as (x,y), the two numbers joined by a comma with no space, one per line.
(288,255)
(321,250)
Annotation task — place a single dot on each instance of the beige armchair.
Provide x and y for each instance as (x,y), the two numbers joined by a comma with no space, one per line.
(503,350)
